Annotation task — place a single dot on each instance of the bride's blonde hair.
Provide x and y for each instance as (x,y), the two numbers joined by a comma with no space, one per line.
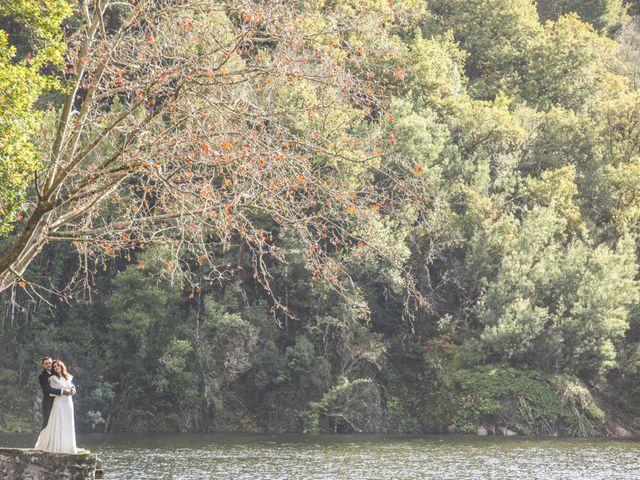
(63,372)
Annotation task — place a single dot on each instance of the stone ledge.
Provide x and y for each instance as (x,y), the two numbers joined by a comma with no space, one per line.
(30,464)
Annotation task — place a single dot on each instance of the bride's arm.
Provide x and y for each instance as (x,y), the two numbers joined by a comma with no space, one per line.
(52,389)
(56,388)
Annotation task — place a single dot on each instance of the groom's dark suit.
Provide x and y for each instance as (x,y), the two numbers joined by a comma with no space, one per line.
(47,400)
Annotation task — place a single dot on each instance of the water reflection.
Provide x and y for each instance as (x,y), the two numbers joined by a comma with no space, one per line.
(191,457)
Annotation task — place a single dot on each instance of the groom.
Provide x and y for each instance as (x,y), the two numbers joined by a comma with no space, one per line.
(47,390)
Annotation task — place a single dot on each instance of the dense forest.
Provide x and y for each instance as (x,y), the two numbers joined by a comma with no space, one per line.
(479,275)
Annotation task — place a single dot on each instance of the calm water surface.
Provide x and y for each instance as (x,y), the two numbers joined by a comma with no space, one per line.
(285,457)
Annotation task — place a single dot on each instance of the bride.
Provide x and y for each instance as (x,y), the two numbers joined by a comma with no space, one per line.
(59,436)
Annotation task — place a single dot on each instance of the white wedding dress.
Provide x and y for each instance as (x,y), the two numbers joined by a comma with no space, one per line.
(59,436)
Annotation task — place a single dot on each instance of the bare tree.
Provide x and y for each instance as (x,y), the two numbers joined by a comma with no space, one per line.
(190,122)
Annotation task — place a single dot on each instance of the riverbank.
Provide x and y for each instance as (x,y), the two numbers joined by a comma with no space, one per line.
(491,400)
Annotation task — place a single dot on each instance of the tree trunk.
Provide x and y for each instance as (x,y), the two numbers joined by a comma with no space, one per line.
(28,244)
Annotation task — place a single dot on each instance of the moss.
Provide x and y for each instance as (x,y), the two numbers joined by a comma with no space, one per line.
(347,407)
(594,412)
(518,399)
(582,417)
(523,400)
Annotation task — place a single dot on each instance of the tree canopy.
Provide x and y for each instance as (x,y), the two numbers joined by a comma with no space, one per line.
(353,215)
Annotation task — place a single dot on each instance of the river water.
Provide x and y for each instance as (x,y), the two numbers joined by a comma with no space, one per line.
(355,457)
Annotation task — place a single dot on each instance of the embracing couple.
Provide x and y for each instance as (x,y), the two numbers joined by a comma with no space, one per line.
(58,432)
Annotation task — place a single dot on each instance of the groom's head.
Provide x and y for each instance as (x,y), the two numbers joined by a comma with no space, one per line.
(46,363)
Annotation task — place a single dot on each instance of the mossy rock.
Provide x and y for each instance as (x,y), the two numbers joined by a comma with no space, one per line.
(528,402)
(30,464)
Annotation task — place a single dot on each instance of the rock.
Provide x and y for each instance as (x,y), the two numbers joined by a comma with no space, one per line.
(483,432)
(99,469)
(618,431)
(30,464)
